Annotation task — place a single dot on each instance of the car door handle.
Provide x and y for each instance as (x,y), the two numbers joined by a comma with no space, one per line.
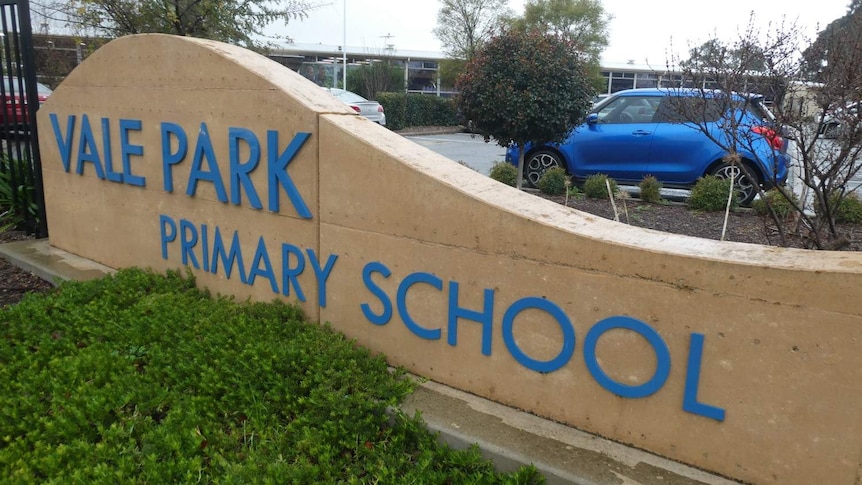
(641,133)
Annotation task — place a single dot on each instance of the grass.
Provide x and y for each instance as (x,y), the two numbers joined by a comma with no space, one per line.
(143,378)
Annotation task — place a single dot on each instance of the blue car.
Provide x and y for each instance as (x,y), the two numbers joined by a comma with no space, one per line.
(640,132)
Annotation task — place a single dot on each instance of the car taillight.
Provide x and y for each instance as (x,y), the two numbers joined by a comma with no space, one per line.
(355,108)
(380,109)
(775,140)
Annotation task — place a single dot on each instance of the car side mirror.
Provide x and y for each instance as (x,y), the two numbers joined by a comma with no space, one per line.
(592,118)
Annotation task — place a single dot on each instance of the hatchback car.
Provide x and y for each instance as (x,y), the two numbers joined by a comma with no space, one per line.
(369,109)
(640,132)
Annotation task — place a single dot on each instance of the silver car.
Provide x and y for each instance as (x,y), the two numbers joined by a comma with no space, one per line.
(836,121)
(369,109)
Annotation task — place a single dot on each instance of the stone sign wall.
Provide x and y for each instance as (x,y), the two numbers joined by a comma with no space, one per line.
(170,152)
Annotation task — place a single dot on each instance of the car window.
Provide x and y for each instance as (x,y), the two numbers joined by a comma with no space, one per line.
(349,97)
(685,109)
(628,109)
(13,87)
(759,111)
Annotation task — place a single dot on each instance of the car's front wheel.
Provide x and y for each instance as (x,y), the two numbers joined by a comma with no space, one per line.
(540,162)
(744,183)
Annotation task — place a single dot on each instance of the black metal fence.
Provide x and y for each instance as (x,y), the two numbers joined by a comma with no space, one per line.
(22,200)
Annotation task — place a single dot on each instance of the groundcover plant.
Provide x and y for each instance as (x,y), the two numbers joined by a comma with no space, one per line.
(140,377)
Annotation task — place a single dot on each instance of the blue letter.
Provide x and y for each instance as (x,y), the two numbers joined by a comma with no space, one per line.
(261,254)
(127,149)
(169,158)
(692,382)
(401,299)
(205,247)
(204,150)
(239,171)
(188,240)
(277,172)
(562,319)
(322,274)
(64,145)
(485,318)
(289,274)
(661,352)
(384,317)
(87,151)
(235,255)
(110,174)
(166,222)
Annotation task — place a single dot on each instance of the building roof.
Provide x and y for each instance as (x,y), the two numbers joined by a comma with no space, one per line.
(321,49)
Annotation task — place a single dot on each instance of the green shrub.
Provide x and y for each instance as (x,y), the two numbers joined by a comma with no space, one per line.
(404,110)
(505,172)
(554,181)
(16,196)
(781,200)
(849,210)
(596,188)
(650,189)
(709,194)
(142,378)
(575,192)
(846,209)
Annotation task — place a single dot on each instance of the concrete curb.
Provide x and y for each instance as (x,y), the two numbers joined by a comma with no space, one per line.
(564,455)
(508,437)
(49,263)
(431,130)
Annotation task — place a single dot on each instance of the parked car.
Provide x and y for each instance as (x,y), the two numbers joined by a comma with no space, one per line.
(15,111)
(369,109)
(640,132)
(835,121)
(599,98)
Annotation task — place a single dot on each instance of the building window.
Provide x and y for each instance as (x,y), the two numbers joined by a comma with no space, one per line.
(622,80)
(646,80)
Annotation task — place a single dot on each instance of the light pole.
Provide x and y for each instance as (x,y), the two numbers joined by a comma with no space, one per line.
(344,51)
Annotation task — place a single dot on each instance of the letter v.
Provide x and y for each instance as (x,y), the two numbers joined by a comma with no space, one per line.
(64,146)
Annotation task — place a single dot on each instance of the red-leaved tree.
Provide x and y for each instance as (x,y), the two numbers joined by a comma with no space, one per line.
(522,87)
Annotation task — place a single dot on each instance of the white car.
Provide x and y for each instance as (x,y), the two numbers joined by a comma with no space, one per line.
(369,109)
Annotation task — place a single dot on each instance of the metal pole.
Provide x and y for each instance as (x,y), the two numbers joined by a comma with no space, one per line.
(344,51)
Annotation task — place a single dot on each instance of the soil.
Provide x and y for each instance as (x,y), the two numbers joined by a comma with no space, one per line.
(743,226)
(15,282)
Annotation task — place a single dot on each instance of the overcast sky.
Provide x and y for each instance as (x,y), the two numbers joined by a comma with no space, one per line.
(640,31)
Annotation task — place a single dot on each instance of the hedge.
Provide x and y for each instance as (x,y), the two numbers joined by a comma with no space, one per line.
(404,110)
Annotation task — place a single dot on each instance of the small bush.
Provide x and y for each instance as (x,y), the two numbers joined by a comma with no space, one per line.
(849,210)
(846,209)
(554,181)
(505,172)
(16,195)
(780,203)
(709,194)
(575,192)
(650,189)
(596,188)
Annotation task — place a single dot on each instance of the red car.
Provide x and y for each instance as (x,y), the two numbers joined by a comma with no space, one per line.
(15,111)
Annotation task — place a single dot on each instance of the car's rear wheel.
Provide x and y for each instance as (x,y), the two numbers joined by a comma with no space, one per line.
(744,183)
(540,162)
(831,130)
